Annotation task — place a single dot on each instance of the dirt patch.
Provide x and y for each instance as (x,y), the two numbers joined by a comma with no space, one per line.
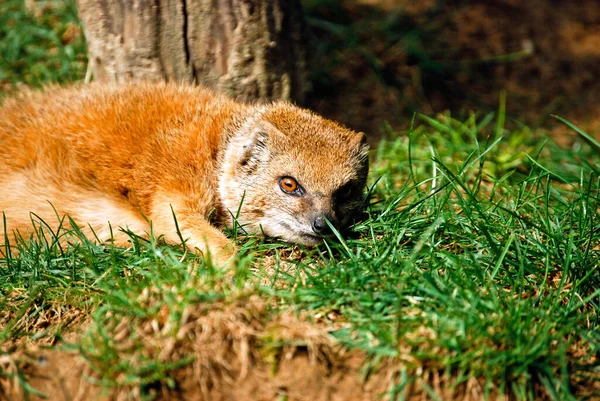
(430,56)
(298,375)
(240,352)
(48,374)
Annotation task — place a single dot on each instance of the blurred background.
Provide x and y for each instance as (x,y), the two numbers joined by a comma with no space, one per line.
(373,63)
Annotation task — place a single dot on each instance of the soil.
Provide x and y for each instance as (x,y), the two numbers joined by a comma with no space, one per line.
(241,353)
(64,376)
(432,56)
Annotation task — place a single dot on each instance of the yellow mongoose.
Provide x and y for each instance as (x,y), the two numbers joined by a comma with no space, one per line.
(125,156)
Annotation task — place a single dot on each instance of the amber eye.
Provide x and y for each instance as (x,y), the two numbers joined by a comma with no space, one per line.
(288,185)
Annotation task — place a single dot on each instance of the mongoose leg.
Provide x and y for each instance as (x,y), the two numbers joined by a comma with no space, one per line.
(97,214)
(176,219)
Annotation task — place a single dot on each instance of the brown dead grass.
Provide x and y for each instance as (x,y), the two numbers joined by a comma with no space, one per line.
(46,322)
(274,265)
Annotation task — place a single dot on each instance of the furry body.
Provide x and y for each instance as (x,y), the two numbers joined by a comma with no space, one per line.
(126,156)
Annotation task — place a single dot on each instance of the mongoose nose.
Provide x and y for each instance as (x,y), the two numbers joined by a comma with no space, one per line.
(319,225)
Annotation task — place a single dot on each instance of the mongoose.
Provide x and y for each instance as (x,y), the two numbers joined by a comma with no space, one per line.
(132,155)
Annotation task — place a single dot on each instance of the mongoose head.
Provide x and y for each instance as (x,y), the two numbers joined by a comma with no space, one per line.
(286,170)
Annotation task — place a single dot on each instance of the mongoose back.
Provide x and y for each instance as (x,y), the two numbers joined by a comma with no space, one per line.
(129,156)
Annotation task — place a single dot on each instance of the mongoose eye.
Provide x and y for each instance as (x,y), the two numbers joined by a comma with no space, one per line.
(289,185)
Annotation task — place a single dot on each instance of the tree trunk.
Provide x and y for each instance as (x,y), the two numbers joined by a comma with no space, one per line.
(248,49)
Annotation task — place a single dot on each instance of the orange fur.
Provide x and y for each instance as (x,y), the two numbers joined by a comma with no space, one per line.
(126,156)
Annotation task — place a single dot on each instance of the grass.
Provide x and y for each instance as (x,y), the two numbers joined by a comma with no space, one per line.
(486,267)
(478,260)
(40,45)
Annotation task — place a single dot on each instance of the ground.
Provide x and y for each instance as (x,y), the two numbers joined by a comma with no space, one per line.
(386,59)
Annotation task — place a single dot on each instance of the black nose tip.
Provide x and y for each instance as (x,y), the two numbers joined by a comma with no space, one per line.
(319,225)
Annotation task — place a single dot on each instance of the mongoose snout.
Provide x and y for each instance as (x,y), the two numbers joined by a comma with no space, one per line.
(319,225)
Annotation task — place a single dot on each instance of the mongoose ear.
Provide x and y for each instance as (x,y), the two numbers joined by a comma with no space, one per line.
(257,144)
(361,145)
(254,146)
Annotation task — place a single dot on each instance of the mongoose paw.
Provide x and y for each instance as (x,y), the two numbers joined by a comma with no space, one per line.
(219,251)
(224,257)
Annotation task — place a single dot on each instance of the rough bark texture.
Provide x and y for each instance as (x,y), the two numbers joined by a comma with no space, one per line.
(248,49)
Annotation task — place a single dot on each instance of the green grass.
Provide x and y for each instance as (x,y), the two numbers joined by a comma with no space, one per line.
(42,45)
(478,257)
(479,262)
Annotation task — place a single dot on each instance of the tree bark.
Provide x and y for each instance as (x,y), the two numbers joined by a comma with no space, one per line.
(247,49)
